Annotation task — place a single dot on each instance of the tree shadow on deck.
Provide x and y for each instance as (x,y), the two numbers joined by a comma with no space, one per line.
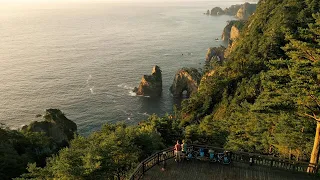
(203,170)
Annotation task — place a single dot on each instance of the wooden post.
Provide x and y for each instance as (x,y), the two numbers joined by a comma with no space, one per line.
(158,161)
(143,168)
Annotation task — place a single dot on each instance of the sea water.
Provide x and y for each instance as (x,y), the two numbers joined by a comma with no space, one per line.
(85,58)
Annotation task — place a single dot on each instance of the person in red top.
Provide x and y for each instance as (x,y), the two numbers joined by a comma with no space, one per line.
(177,151)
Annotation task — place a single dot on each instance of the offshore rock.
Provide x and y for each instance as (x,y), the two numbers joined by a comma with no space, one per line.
(217,11)
(55,125)
(215,53)
(186,79)
(150,85)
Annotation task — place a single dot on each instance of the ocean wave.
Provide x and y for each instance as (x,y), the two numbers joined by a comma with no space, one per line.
(91,90)
(145,114)
(125,86)
(131,93)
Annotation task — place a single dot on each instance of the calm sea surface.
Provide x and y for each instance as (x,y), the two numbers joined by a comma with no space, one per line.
(86,58)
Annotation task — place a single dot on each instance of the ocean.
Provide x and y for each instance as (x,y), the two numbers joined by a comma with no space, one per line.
(85,58)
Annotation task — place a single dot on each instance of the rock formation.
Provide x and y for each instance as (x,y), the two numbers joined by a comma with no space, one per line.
(186,79)
(232,10)
(55,125)
(215,52)
(217,11)
(246,11)
(150,85)
(241,11)
(232,31)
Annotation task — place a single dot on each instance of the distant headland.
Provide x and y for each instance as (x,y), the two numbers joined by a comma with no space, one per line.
(240,11)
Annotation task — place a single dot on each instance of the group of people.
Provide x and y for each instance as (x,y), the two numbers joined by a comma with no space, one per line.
(180,149)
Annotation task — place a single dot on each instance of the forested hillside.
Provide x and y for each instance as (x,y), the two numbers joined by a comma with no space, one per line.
(260,98)
(264,97)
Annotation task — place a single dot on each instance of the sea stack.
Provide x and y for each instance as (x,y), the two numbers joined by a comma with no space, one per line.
(150,85)
(215,52)
(185,80)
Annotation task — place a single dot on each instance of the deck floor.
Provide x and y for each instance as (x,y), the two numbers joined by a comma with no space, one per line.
(203,170)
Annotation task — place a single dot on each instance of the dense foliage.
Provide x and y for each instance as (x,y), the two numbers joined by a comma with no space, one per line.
(18,148)
(256,100)
(107,154)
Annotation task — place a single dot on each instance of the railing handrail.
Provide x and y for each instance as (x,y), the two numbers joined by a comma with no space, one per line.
(253,154)
(144,164)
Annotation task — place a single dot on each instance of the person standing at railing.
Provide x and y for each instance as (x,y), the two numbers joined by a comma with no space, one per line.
(164,162)
(177,151)
(184,149)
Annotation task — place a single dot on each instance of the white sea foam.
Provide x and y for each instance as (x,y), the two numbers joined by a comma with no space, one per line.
(125,86)
(131,93)
(145,114)
(91,90)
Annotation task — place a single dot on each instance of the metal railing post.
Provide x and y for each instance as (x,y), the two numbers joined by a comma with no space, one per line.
(143,168)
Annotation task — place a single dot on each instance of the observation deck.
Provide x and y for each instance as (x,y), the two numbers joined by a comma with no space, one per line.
(261,167)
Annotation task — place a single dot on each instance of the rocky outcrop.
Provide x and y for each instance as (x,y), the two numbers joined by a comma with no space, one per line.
(55,125)
(232,31)
(217,11)
(186,79)
(246,11)
(215,53)
(232,10)
(241,11)
(150,85)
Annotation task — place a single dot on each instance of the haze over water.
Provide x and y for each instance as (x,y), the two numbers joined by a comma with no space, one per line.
(86,58)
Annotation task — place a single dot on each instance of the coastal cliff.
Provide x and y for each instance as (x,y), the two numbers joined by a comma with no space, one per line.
(150,85)
(232,31)
(246,10)
(55,125)
(240,11)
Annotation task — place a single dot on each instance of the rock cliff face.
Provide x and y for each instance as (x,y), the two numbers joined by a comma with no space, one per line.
(246,11)
(186,79)
(55,125)
(150,85)
(232,10)
(232,31)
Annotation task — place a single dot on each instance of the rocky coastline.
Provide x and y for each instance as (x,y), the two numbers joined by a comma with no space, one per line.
(240,11)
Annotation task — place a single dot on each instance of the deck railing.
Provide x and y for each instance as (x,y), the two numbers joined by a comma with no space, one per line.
(236,156)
